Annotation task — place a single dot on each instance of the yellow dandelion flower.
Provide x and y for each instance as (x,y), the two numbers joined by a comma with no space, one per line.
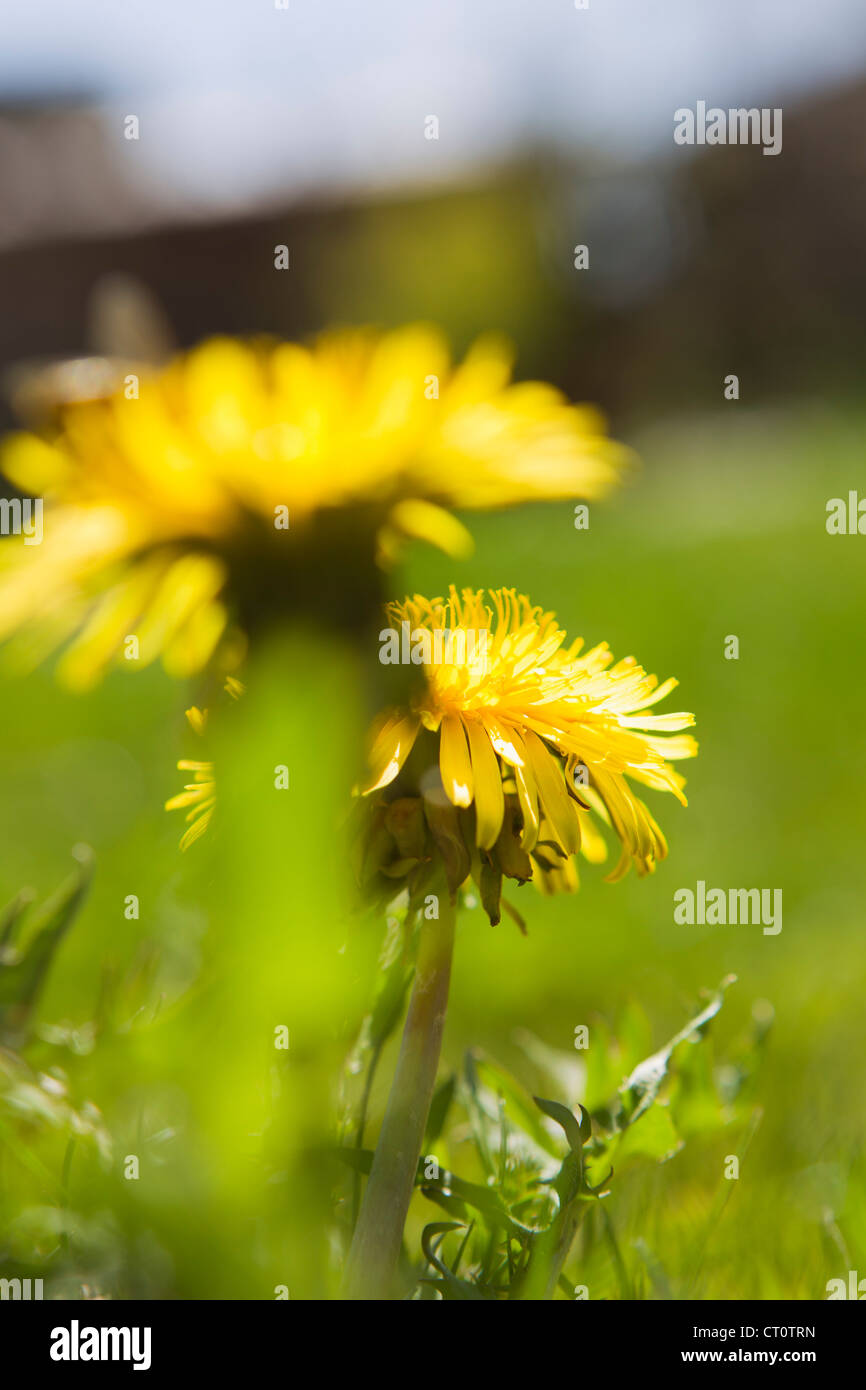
(216,487)
(531,739)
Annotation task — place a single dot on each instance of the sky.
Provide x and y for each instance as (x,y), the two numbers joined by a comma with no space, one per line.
(238,98)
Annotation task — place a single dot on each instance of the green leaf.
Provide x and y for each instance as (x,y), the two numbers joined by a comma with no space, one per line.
(652,1135)
(482,1199)
(23,970)
(11,916)
(452,1288)
(388,1007)
(576,1131)
(641,1088)
(439,1107)
(604,1066)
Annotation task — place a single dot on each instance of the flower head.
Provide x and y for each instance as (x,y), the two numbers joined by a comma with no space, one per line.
(211,489)
(514,747)
(198,797)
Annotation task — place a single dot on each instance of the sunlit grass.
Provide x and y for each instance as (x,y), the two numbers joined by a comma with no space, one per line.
(724,534)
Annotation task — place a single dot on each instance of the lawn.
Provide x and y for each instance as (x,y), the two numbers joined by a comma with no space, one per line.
(163,1020)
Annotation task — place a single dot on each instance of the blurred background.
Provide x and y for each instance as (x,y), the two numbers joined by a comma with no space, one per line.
(260,125)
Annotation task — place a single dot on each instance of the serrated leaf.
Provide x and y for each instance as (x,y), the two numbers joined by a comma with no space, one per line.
(452,1288)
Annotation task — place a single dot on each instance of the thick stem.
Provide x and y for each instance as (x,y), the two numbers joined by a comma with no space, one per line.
(375,1249)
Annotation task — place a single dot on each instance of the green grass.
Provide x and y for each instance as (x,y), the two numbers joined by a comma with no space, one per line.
(722,533)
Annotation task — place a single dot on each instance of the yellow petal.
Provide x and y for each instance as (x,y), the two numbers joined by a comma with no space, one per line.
(549,778)
(32,465)
(667,723)
(196,718)
(192,583)
(504,741)
(489,796)
(426,522)
(390,750)
(197,829)
(115,615)
(592,843)
(192,647)
(527,793)
(455,765)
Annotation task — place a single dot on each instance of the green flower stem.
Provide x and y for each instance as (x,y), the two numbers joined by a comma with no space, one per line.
(375,1249)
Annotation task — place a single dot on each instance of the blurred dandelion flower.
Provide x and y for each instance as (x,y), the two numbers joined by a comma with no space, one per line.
(198,797)
(242,479)
(514,749)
